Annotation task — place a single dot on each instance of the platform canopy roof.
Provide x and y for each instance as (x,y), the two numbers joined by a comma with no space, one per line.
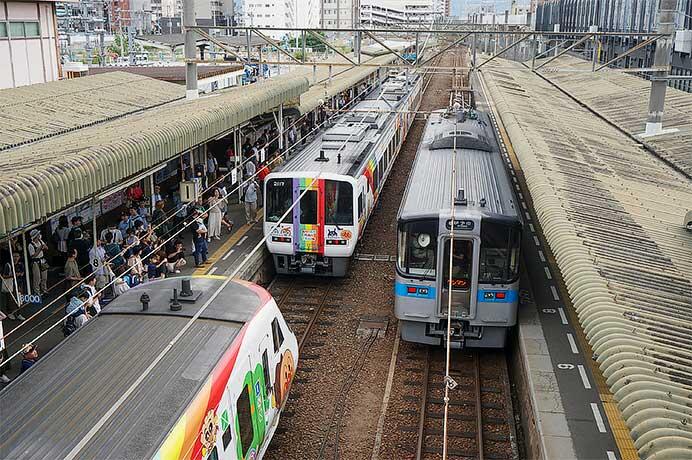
(176,40)
(44,177)
(34,112)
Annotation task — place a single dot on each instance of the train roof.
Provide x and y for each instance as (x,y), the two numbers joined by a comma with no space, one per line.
(479,169)
(358,129)
(49,409)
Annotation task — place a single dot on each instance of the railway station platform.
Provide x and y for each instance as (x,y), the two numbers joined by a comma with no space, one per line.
(604,336)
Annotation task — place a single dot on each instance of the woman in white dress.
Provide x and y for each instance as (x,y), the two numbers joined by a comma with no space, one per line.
(215,215)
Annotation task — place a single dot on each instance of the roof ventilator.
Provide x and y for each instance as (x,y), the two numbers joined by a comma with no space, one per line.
(175,305)
(322,158)
(145,301)
(460,200)
(186,290)
(482,202)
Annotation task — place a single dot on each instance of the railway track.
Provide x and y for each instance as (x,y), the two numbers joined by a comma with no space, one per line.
(346,330)
(480,417)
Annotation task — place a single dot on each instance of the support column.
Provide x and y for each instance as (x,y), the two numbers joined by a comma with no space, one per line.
(533,51)
(94,236)
(281,127)
(474,46)
(662,58)
(27,266)
(190,50)
(14,273)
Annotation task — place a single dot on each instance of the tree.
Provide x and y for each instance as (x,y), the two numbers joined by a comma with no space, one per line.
(119,45)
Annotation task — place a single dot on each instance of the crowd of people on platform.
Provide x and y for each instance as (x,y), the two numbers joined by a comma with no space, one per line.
(139,247)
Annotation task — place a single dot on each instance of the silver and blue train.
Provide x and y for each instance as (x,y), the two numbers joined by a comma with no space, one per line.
(484,234)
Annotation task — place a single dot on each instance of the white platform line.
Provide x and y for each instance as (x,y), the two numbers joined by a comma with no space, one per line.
(511,171)
(242,240)
(212,271)
(599,419)
(563,317)
(514,179)
(536,240)
(611,455)
(528,216)
(533,229)
(541,255)
(572,344)
(547,273)
(523,205)
(554,291)
(521,195)
(584,377)
(228,254)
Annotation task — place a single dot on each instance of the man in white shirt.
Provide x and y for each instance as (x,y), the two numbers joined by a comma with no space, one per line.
(97,256)
(156,196)
(117,234)
(90,285)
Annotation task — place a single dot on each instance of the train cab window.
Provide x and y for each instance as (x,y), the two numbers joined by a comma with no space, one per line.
(308,208)
(360,206)
(277,335)
(338,203)
(279,200)
(244,411)
(499,255)
(267,374)
(462,257)
(418,248)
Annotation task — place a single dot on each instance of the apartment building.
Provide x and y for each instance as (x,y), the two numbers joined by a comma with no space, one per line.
(375,13)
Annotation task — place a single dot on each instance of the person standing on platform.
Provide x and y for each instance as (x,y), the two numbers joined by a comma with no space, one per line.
(250,200)
(60,237)
(82,246)
(97,255)
(156,196)
(215,215)
(72,275)
(8,299)
(39,265)
(199,239)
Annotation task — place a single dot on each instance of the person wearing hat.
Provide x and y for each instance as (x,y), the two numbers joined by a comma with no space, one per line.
(29,357)
(39,266)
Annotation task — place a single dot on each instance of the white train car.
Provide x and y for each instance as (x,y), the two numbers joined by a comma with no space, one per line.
(216,394)
(342,173)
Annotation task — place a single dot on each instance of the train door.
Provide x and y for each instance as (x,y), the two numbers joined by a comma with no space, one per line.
(308,215)
(249,408)
(462,275)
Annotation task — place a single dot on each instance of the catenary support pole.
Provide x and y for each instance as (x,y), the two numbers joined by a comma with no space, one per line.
(190,50)
(662,58)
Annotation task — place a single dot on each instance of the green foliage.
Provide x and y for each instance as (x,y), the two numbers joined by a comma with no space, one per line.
(314,43)
(116,48)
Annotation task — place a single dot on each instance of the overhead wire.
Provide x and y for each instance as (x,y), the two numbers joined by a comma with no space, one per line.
(104,419)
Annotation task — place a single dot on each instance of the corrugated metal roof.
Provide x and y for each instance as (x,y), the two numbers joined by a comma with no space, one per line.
(624,100)
(345,80)
(52,407)
(612,213)
(172,73)
(43,177)
(480,173)
(29,113)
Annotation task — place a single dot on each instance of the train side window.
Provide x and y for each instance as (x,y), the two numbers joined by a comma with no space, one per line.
(247,429)
(381,168)
(226,437)
(376,179)
(277,335)
(360,206)
(267,374)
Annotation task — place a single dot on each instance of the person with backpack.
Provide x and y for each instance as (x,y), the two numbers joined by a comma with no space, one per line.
(77,311)
(199,239)
(250,201)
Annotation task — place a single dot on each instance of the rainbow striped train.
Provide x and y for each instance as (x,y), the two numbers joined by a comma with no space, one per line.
(335,181)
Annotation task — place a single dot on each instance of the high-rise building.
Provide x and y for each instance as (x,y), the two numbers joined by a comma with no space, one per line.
(281,14)
(28,43)
(375,13)
(339,14)
(622,16)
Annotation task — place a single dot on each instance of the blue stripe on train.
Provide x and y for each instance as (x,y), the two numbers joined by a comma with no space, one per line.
(488,295)
(422,292)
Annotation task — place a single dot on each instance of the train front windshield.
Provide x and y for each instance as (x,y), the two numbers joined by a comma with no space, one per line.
(418,248)
(279,200)
(461,263)
(499,256)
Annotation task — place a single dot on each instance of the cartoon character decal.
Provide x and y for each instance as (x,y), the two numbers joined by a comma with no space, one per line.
(209,428)
(285,370)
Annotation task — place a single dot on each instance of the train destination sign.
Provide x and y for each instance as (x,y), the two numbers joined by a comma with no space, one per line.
(460,224)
